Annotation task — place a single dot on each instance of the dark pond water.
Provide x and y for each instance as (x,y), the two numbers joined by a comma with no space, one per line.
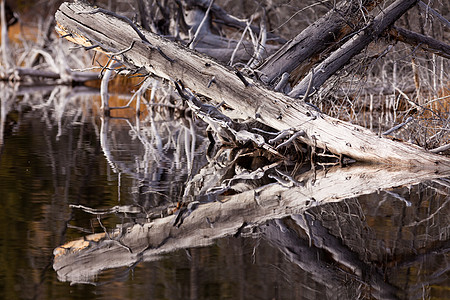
(68,175)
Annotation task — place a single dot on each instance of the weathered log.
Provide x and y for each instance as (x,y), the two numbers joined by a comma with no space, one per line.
(172,61)
(355,45)
(83,259)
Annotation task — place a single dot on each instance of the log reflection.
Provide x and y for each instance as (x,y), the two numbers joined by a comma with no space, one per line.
(332,223)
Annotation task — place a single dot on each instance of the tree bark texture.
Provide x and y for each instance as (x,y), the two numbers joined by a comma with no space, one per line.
(174,62)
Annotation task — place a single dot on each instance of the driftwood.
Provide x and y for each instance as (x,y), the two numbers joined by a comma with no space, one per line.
(85,25)
(82,260)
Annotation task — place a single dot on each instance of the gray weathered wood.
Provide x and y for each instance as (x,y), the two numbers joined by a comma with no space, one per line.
(224,18)
(416,39)
(174,62)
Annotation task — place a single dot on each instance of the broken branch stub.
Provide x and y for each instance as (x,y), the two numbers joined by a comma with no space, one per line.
(251,100)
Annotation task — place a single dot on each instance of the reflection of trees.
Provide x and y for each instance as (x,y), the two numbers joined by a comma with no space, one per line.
(332,271)
(157,150)
(41,171)
(6,103)
(350,231)
(55,103)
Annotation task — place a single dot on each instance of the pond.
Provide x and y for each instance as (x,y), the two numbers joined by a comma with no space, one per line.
(126,207)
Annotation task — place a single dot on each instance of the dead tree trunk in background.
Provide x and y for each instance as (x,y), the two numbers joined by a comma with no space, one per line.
(222,17)
(298,55)
(419,40)
(342,56)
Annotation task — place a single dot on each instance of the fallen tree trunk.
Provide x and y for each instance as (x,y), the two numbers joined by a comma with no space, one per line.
(85,25)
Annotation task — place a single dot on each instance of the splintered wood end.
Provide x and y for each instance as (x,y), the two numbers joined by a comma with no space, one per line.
(72,36)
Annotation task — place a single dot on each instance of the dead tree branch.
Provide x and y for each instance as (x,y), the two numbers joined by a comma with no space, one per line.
(416,39)
(305,49)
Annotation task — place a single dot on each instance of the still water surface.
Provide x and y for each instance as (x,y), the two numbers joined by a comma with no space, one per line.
(57,167)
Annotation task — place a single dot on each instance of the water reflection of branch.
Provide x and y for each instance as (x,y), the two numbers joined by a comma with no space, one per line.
(104,129)
(162,139)
(6,99)
(418,266)
(33,95)
(307,257)
(431,216)
(125,209)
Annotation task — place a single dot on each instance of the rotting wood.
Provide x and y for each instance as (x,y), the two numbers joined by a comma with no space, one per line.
(83,259)
(252,101)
